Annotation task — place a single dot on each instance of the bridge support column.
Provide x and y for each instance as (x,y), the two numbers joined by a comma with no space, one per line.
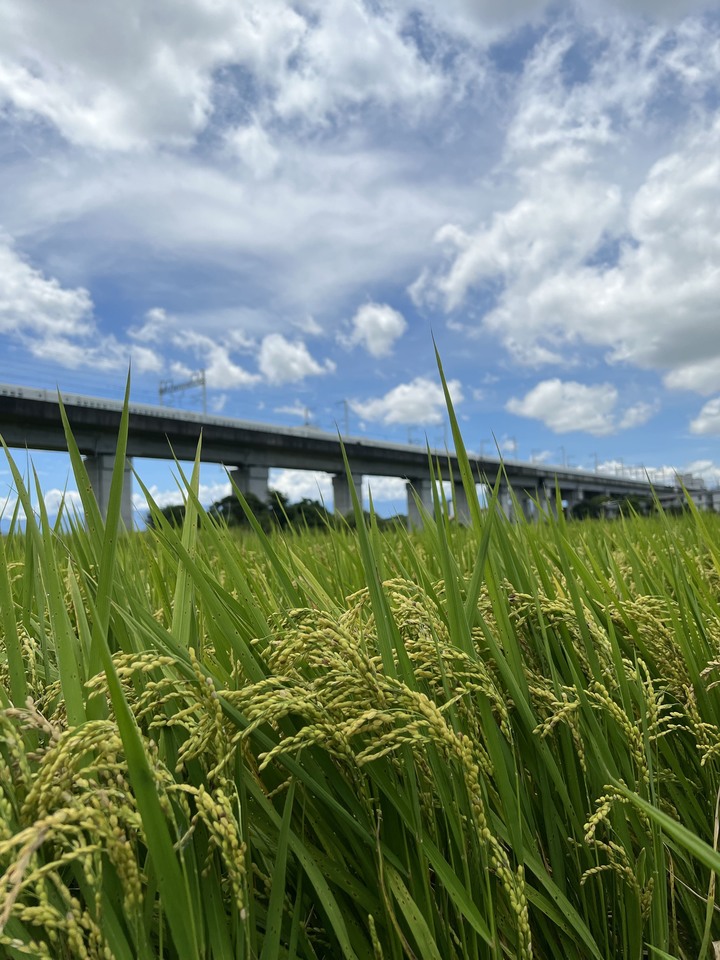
(253,480)
(460,504)
(100,470)
(527,505)
(423,490)
(702,499)
(505,502)
(575,495)
(547,501)
(343,504)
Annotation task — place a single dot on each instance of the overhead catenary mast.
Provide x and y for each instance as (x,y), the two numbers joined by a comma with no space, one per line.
(195,380)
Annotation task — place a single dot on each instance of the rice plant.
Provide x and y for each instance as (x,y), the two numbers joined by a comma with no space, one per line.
(499,741)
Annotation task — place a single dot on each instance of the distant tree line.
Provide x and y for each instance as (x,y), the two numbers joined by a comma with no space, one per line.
(605,506)
(274,513)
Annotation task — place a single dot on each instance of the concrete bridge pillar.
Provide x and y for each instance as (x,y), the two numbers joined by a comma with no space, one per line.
(547,500)
(460,504)
(250,479)
(341,493)
(422,488)
(573,496)
(505,502)
(527,504)
(100,470)
(702,499)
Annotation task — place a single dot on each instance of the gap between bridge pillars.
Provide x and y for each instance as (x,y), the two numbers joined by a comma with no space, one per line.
(254,480)
(461,506)
(100,470)
(341,493)
(423,490)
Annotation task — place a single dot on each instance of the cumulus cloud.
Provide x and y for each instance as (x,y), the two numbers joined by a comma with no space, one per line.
(314,485)
(288,361)
(295,409)
(566,406)
(221,371)
(35,305)
(420,402)
(127,76)
(486,20)
(702,377)
(302,485)
(155,328)
(252,145)
(708,420)
(208,494)
(637,415)
(588,255)
(56,323)
(54,499)
(385,489)
(215,355)
(376,326)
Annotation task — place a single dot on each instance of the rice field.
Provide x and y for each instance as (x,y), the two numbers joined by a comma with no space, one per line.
(493,742)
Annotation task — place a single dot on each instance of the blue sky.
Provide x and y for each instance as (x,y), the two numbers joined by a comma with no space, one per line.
(296,196)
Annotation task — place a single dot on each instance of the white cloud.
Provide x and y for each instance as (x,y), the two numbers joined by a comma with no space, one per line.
(314,485)
(702,377)
(385,489)
(105,354)
(52,499)
(33,305)
(155,328)
(208,494)
(221,371)
(287,361)
(128,75)
(56,323)
(601,247)
(376,326)
(420,402)
(354,55)
(708,420)
(637,415)
(338,218)
(566,406)
(213,354)
(295,409)
(302,485)
(486,20)
(252,145)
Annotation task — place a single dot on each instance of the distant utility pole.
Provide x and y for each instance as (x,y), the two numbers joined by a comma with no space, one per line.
(197,379)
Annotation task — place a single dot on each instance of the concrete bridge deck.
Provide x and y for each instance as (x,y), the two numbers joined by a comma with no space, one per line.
(30,418)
